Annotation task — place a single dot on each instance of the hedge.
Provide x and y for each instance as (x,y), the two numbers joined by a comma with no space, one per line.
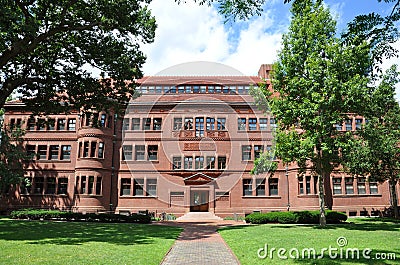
(300,217)
(33,214)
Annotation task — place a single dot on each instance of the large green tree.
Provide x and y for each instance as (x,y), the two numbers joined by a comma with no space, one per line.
(46,48)
(376,150)
(319,80)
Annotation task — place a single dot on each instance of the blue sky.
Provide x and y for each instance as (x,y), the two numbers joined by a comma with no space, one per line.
(189,32)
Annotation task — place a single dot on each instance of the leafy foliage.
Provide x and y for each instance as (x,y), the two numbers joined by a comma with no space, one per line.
(302,217)
(45,47)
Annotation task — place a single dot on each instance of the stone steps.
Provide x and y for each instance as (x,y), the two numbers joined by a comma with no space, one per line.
(199,216)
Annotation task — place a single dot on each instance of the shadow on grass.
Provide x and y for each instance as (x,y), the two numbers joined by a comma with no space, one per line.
(77,233)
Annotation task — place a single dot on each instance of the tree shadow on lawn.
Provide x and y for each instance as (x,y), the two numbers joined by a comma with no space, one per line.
(77,233)
(364,226)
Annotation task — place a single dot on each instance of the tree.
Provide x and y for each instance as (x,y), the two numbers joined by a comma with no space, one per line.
(45,47)
(376,151)
(319,80)
(12,157)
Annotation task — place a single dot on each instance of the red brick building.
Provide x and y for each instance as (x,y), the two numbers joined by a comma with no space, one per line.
(187,144)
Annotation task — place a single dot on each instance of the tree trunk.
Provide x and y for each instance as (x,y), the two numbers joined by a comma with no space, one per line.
(321,195)
(393,195)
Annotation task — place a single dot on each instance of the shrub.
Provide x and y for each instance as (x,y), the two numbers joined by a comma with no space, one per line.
(333,217)
(301,217)
(308,217)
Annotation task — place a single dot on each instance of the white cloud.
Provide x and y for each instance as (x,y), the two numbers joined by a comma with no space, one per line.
(189,32)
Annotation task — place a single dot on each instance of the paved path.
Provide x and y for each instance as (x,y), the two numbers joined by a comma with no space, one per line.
(200,244)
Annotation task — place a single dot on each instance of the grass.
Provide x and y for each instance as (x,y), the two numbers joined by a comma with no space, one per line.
(36,242)
(380,236)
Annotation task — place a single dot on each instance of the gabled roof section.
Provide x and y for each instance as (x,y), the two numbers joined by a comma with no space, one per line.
(199,176)
(199,80)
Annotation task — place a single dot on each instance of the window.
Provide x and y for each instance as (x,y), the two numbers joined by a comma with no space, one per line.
(136,124)
(41,124)
(157,124)
(100,152)
(196,89)
(218,89)
(71,124)
(139,152)
(188,162)
(125,124)
(146,123)
(200,127)
(26,186)
(65,152)
(188,89)
(151,89)
(263,124)
(39,185)
(31,124)
(61,124)
(151,187)
(338,126)
(260,187)
(246,152)
(210,124)
(373,187)
(51,124)
(358,124)
(272,122)
(91,185)
(247,187)
(42,152)
(127,152)
(181,90)
(210,161)
(202,89)
(53,152)
(86,149)
(98,185)
(158,89)
(199,162)
(349,185)
(241,124)
(240,89)
(93,149)
(125,187)
(258,150)
(221,162)
(103,119)
(349,125)
(138,187)
(31,150)
(211,89)
(51,185)
(83,184)
(361,186)
(177,124)
(152,152)
(273,186)
(62,186)
(301,185)
(252,124)
(188,123)
(337,185)
(176,162)
(221,124)
(308,184)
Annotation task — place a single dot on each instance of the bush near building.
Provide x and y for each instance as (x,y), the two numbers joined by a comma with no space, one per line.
(301,217)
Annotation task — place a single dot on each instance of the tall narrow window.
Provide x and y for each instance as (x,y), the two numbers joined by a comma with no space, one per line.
(337,185)
(361,186)
(31,150)
(200,127)
(125,124)
(42,152)
(247,187)
(252,124)
(139,152)
(301,185)
(127,152)
(151,187)
(188,162)
(61,124)
(146,123)
(152,152)
(272,123)
(210,160)
(241,124)
(210,123)
(39,185)
(358,124)
(138,187)
(85,149)
(51,124)
(65,152)
(157,124)
(31,124)
(83,184)
(199,162)
(263,124)
(221,124)
(71,124)
(62,186)
(91,185)
(177,162)
(349,125)
(93,146)
(98,185)
(308,184)
(103,119)
(125,187)
(54,152)
(260,187)
(135,124)
(349,185)
(373,187)
(51,185)
(258,150)
(273,186)
(177,124)
(222,162)
(41,124)
(246,152)
(100,152)
(188,124)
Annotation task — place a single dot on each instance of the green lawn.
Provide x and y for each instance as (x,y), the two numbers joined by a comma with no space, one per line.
(380,237)
(35,242)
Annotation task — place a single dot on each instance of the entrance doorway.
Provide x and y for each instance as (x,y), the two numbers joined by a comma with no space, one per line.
(199,201)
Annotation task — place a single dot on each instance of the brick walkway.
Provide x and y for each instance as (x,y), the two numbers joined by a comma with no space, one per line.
(198,244)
